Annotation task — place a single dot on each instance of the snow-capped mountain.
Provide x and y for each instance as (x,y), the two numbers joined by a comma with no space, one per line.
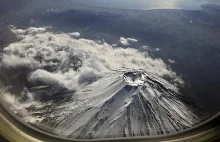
(121,104)
(79,88)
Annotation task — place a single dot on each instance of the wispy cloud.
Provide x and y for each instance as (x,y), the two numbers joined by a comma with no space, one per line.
(126,41)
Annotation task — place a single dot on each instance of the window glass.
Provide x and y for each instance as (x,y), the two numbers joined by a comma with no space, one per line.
(95,69)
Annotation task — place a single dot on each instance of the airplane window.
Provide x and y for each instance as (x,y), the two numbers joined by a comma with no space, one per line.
(101,69)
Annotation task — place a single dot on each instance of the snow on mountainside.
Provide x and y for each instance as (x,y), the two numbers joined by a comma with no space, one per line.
(133,103)
(79,88)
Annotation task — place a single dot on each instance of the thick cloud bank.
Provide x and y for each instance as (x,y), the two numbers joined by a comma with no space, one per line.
(72,63)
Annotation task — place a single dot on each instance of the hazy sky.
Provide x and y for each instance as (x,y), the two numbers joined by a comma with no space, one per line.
(149,4)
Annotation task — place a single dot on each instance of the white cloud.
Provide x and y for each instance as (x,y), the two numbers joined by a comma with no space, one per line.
(13,61)
(31,30)
(74,62)
(132,40)
(157,49)
(145,47)
(75,34)
(171,61)
(126,41)
(47,77)
(13,104)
